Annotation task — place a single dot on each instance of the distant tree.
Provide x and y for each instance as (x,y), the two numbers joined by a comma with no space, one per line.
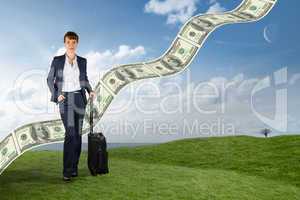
(265,132)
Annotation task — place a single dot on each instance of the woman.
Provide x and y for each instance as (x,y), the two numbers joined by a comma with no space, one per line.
(67,81)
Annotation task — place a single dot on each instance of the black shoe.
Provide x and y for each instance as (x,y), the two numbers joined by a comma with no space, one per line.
(74,175)
(66,178)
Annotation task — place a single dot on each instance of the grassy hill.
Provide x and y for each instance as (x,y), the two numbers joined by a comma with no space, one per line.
(234,167)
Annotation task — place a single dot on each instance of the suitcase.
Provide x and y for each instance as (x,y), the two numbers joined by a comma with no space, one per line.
(97,152)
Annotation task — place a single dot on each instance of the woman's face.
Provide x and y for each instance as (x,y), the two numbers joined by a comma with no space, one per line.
(70,45)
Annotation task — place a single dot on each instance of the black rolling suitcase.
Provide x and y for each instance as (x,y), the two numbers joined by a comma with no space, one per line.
(97,152)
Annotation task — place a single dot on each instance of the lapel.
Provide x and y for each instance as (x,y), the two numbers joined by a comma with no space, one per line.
(63,60)
(61,65)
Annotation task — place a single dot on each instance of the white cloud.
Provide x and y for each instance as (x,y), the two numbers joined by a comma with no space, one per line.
(60,51)
(176,11)
(294,78)
(29,87)
(98,63)
(238,78)
(109,57)
(125,52)
(179,11)
(215,8)
(2,112)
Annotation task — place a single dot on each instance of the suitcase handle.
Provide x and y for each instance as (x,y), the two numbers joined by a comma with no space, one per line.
(91,115)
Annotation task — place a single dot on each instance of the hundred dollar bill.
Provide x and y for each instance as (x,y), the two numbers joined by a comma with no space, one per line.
(122,75)
(160,67)
(175,60)
(193,32)
(100,104)
(134,72)
(218,19)
(55,130)
(39,133)
(182,51)
(114,80)
(8,151)
(254,9)
(198,28)
(179,55)
(24,136)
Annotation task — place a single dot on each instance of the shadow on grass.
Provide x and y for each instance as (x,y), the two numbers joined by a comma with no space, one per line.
(37,176)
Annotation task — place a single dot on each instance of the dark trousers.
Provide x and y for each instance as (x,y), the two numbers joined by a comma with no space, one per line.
(72,110)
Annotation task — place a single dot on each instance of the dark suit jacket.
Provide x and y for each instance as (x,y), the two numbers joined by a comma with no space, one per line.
(55,77)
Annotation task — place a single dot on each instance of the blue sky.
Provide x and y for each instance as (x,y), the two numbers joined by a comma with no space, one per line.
(123,31)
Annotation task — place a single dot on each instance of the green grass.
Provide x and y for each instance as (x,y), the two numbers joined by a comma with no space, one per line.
(234,167)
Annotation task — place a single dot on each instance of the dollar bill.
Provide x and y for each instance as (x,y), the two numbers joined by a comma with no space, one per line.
(179,55)
(218,19)
(254,9)
(100,104)
(122,75)
(159,67)
(114,80)
(204,24)
(8,151)
(194,32)
(134,72)
(24,136)
(55,130)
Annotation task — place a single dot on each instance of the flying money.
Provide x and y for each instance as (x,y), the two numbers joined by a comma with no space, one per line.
(175,60)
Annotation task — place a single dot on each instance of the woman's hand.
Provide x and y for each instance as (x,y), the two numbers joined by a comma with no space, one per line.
(92,95)
(60,98)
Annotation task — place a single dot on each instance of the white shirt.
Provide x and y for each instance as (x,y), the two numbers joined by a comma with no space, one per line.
(71,76)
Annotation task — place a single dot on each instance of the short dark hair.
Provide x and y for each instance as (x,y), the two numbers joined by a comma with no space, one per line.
(71,35)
